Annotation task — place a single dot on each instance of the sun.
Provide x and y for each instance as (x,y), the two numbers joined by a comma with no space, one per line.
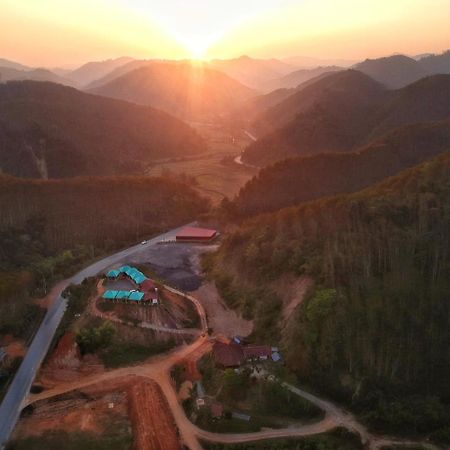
(196,46)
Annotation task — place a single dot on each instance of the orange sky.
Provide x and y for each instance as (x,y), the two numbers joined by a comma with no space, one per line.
(59,32)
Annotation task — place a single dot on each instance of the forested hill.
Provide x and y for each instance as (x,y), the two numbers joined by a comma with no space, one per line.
(342,112)
(51,229)
(296,180)
(101,212)
(374,328)
(49,130)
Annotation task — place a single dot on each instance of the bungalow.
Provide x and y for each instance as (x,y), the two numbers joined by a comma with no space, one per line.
(257,352)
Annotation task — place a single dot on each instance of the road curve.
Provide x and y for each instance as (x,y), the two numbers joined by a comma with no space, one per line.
(12,402)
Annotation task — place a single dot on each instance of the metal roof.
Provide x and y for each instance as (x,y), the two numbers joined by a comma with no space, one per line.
(136,296)
(113,274)
(109,295)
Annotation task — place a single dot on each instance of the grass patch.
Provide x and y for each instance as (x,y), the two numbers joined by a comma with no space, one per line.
(120,353)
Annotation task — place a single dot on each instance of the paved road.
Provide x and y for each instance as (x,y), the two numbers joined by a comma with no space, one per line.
(20,386)
(251,136)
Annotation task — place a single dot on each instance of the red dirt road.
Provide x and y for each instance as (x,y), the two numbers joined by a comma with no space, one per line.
(153,424)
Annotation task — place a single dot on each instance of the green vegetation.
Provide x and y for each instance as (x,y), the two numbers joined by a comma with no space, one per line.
(117,439)
(92,339)
(267,402)
(340,439)
(374,330)
(121,353)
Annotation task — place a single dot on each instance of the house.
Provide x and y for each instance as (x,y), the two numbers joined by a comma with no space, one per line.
(257,352)
(228,355)
(193,234)
(216,410)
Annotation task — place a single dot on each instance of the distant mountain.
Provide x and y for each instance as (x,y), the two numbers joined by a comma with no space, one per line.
(252,72)
(394,71)
(49,130)
(119,71)
(185,90)
(296,180)
(249,111)
(9,74)
(13,65)
(298,77)
(305,62)
(344,111)
(436,63)
(92,71)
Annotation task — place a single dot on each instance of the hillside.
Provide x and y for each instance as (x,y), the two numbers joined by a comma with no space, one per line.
(328,116)
(398,71)
(48,130)
(297,77)
(373,329)
(185,90)
(331,114)
(94,70)
(9,74)
(296,180)
(251,72)
(394,71)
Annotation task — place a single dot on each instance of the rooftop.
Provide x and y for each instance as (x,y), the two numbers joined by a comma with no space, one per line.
(196,233)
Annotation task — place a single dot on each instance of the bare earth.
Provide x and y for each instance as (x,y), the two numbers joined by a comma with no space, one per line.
(220,318)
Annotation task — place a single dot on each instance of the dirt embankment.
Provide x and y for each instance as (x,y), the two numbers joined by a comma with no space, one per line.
(66,364)
(220,318)
(153,424)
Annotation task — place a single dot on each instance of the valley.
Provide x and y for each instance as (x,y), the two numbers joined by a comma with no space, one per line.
(236,253)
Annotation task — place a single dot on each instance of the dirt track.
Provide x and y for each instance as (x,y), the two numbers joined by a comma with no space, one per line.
(153,424)
(158,370)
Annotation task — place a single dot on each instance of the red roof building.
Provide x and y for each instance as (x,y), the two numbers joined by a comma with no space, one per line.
(192,234)
(257,352)
(216,410)
(228,355)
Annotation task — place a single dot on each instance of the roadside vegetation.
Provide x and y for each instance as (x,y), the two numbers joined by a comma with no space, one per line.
(340,439)
(373,332)
(117,437)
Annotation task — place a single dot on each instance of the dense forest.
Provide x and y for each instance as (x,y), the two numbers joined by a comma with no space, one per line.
(295,180)
(51,131)
(48,229)
(341,112)
(374,330)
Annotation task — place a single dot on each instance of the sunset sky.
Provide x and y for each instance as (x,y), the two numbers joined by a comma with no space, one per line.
(59,32)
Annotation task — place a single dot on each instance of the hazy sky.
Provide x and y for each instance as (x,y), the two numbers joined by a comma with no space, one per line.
(60,32)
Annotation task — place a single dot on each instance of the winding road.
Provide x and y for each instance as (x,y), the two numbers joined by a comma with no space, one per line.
(158,369)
